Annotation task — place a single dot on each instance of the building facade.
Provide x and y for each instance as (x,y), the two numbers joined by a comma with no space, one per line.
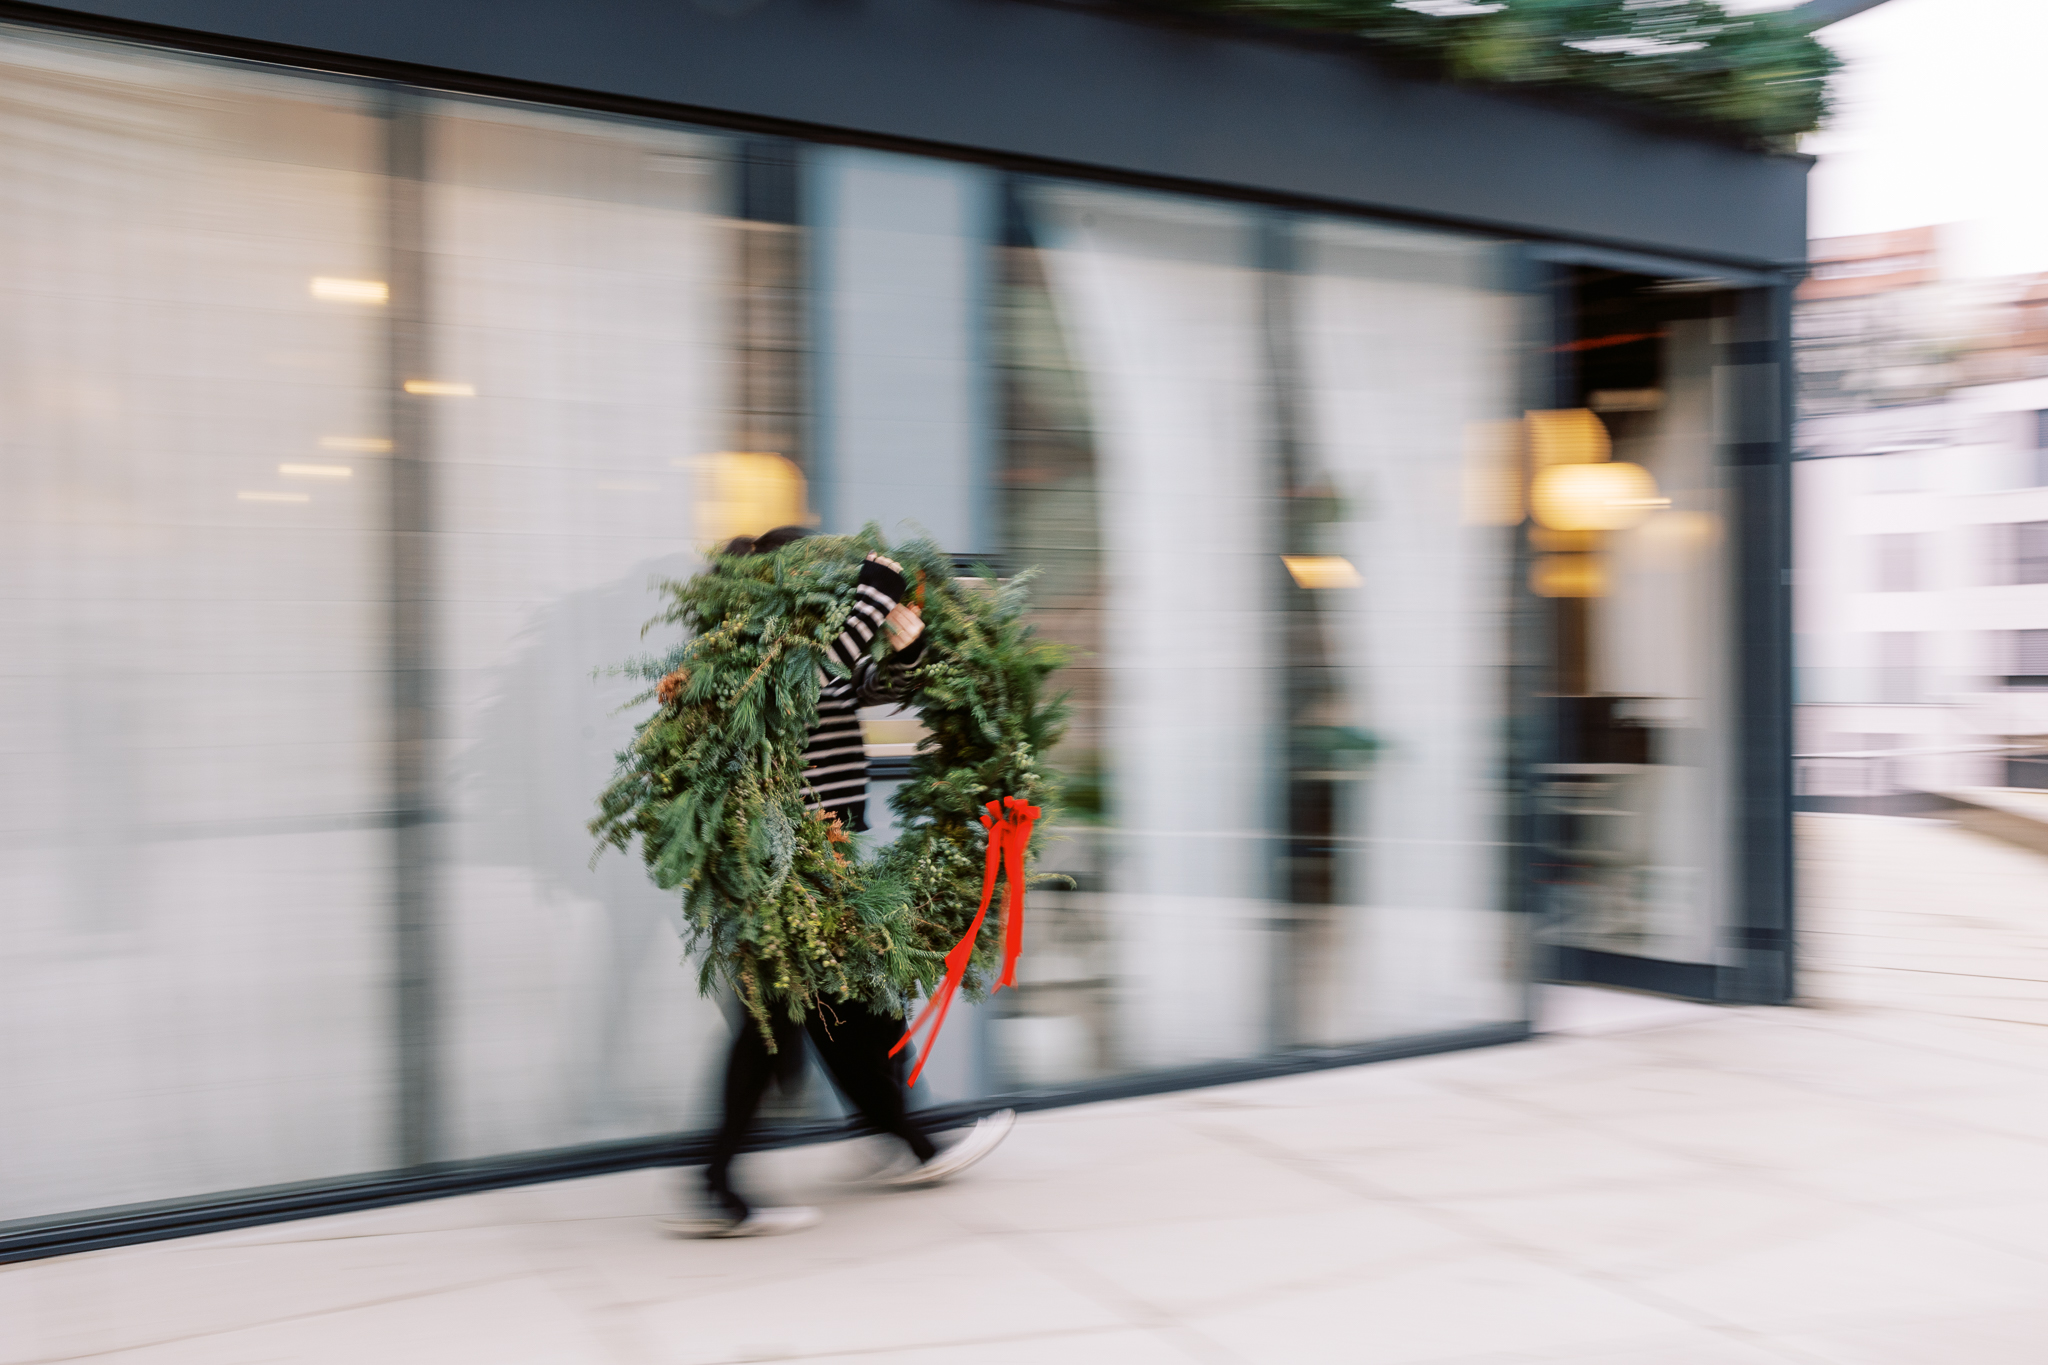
(1415,498)
(1922,489)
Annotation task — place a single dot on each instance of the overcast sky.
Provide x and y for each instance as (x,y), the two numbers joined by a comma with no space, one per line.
(1942,117)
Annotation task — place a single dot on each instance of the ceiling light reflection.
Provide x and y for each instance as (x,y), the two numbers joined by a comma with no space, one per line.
(1322,571)
(335,290)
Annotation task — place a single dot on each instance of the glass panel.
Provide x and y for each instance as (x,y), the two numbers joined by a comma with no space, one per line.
(1407,501)
(194,847)
(1638,805)
(1147,309)
(1285,822)
(580,277)
(899,248)
(899,244)
(1055,1028)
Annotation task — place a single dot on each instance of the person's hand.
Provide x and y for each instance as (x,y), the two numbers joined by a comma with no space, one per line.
(885,562)
(902,625)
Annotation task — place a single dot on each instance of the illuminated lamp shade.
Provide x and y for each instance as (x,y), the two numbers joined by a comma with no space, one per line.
(746,492)
(1566,436)
(1568,576)
(1322,571)
(349,291)
(1594,497)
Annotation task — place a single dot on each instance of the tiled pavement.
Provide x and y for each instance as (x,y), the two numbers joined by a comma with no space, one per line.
(1860,1183)
(1919,915)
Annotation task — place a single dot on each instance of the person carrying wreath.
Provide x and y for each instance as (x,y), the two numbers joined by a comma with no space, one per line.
(852,1038)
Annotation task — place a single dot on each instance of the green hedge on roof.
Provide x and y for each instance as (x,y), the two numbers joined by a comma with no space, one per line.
(1760,76)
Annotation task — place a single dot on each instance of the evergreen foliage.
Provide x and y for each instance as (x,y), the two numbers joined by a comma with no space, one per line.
(779,904)
(1758,75)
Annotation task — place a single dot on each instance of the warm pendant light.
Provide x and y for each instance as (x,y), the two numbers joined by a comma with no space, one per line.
(1611,496)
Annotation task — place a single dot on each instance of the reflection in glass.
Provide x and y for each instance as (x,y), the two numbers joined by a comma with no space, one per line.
(1634,806)
(1289,811)
(193,840)
(1403,343)
(339,416)
(581,291)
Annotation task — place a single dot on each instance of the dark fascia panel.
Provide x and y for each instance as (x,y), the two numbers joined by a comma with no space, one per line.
(1093,88)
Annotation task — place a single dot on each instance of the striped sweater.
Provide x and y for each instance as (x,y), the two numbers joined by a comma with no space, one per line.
(835,761)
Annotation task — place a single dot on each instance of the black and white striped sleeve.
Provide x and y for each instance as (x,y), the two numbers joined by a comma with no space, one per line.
(879,590)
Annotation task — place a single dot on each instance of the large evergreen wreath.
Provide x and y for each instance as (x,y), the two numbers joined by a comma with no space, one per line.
(784,907)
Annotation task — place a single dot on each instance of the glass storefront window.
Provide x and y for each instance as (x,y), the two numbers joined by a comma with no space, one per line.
(1405,345)
(1250,484)
(1159,302)
(1635,806)
(194,843)
(578,310)
(348,426)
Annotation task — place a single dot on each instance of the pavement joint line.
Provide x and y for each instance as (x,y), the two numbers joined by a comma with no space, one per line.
(1947,1052)
(1309,1284)
(1602,1121)
(1561,1261)
(958,1343)
(277,1321)
(1774,1178)
(1148,1316)
(1937,971)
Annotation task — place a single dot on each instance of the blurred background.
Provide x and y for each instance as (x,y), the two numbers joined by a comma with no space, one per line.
(1923,430)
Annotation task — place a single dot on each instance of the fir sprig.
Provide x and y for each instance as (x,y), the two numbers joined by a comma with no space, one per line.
(1760,75)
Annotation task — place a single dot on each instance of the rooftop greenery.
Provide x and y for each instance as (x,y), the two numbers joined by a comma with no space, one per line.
(1759,76)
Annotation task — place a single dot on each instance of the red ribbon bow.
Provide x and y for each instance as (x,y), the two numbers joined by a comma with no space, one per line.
(1008,823)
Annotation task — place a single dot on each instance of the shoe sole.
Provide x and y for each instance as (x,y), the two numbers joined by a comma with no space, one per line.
(987,1135)
(752,1227)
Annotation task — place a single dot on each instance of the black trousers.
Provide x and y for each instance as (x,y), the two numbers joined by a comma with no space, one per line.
(853,1041)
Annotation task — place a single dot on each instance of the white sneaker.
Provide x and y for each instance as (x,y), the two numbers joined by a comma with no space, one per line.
(981,1139)
(764,1222)
(899,1165)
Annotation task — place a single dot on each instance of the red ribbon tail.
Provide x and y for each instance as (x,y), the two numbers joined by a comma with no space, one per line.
(960,955)
(1022,816)
(923,1017)
(1019,838)
(1008,823)
(943,1002)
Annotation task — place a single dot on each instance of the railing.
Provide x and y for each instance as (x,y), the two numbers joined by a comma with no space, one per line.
(1895,781)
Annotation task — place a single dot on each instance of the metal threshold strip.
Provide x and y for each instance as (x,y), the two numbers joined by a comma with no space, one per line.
(34,1238)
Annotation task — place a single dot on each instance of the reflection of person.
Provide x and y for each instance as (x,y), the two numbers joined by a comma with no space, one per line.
(593,979)
(852,1038)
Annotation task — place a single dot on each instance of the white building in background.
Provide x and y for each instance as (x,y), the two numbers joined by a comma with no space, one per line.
(1922,535)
